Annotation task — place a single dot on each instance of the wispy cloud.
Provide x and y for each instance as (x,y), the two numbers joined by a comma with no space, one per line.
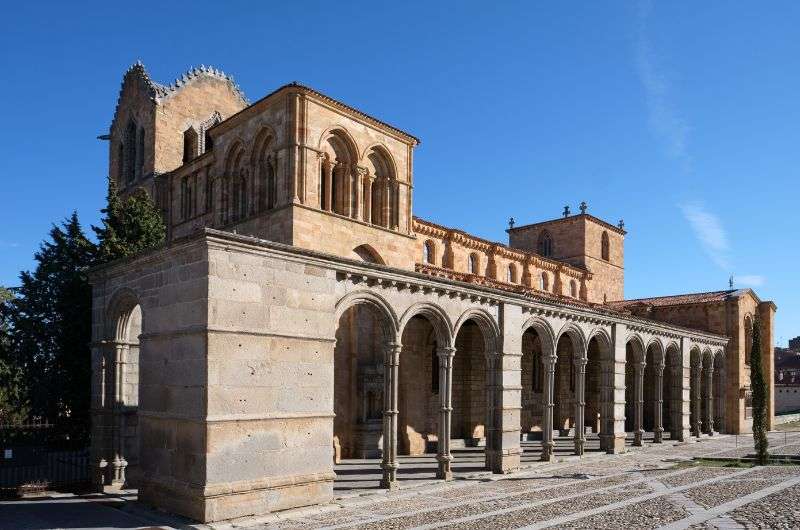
(750,280)
(8,244)
(664,119)
(709,230)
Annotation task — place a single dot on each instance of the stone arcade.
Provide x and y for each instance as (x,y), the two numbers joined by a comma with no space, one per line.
(300,315)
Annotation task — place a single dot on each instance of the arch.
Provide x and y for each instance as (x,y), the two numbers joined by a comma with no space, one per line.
(543,328)
(511,275)
(576,335)
(748,337)
(656,343)
(474,263)
(719,383)
(605,246)
(603,337)
(573,289)
(234,182)
(429,252)
(638,348)
(264,163)
(487,325)
(545,244)
(344,142)
(367,253)
(191,144)
(118,312)
(364,297)
(442,326)
(544,282)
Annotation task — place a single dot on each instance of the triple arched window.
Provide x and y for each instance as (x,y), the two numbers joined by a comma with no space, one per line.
(428,253)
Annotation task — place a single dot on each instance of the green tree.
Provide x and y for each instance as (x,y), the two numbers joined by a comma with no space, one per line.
(13,405)
(50,327)
(129,226)
(758,386)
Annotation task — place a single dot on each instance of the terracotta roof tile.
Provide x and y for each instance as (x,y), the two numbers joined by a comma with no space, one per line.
(678,299)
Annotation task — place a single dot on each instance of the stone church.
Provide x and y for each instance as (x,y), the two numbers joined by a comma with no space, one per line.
(300,315)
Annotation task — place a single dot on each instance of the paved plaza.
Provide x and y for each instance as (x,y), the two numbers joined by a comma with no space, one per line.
(648,487)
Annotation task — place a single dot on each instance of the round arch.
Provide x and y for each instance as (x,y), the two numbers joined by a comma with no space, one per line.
(638,349)
(442,326)
(576,336)
(489,328)
(545,331)
(390,323)
(349,147)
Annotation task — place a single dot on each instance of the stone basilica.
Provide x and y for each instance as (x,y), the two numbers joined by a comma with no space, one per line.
(300,316)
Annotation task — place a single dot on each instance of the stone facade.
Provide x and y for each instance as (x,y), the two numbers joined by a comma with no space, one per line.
(300,315)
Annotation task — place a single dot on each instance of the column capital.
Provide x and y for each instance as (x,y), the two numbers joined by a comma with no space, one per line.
(580,362)
(445,351)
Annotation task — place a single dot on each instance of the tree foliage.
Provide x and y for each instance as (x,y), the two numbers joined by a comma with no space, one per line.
(129,226)
(758,386)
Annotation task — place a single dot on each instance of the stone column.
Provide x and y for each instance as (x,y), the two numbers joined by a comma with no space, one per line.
(709,397)
(658,428)
(368,180)
(696,379)
(390,387)
(638,411)
(119,463)
(549,368)
(580,403)
(613,431)
(443,456)
(327,170)
(101,432)
(491,404)
(386,206)
(358,183)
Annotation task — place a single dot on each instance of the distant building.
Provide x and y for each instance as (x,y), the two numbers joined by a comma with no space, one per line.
(794,344)
(787,379)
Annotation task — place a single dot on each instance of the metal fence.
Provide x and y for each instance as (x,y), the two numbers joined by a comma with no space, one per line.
(39,456)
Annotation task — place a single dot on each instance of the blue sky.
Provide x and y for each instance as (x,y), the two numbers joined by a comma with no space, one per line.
(681,118)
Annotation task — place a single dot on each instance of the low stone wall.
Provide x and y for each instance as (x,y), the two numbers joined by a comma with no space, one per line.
(780,419)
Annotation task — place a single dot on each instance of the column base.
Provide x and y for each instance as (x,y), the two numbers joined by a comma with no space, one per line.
(637,438)
(658,435)
(579,445)
(547,451)
(98,473)
(501,463)
(117,469)
(614,444)
(444,472)
(389,484)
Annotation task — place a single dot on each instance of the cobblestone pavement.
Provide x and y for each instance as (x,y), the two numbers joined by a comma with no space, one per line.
(654,486)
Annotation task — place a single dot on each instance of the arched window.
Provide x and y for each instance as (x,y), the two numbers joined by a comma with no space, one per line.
(382,188)
(748,338)
(235,192)
(473,264)
(573,289)
(544,283)
(264,166)
(545,244)
(129,162)
(190,144)
(186,198)
(512,273)
(140,153)
(604,246)
(209,193)
(428,253)
(338,181)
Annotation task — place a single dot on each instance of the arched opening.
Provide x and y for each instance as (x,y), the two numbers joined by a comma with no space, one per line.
(695,374)
(634,373)
(473,263)
(337,173)
(532,380)
(428,253)
(564,397)
(707,393)
(604,246)
(130,142)
(191,144)
(362,337)
(652,389)
(573,289)
(673,393)
(470,377)
(599,414)
(544,282)
(118,384)
(719,392)
(368,254)
(264,163)
(381,185)
(234,195)
(545,244)
(511,275)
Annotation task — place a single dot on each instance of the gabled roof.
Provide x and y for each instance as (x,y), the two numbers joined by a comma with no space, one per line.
(159,92)
(588,216)
(682,299)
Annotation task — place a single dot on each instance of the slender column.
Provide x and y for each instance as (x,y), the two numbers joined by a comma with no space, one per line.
(358,207)
(119,463)
(347,190)
(658,429)
(328,176)
(390,390)
(368,180)
(709,401)
(696,378)
(443,456)
(580,404)
(549,367)
(386,206)
(638,401)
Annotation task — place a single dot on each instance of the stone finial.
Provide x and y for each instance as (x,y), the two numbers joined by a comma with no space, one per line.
(510,222)
(583,207)
(566,210)
(621,224)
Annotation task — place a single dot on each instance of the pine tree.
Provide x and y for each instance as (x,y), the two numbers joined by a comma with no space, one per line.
(758,386)
(50,321)
(129,226)
(13,405)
